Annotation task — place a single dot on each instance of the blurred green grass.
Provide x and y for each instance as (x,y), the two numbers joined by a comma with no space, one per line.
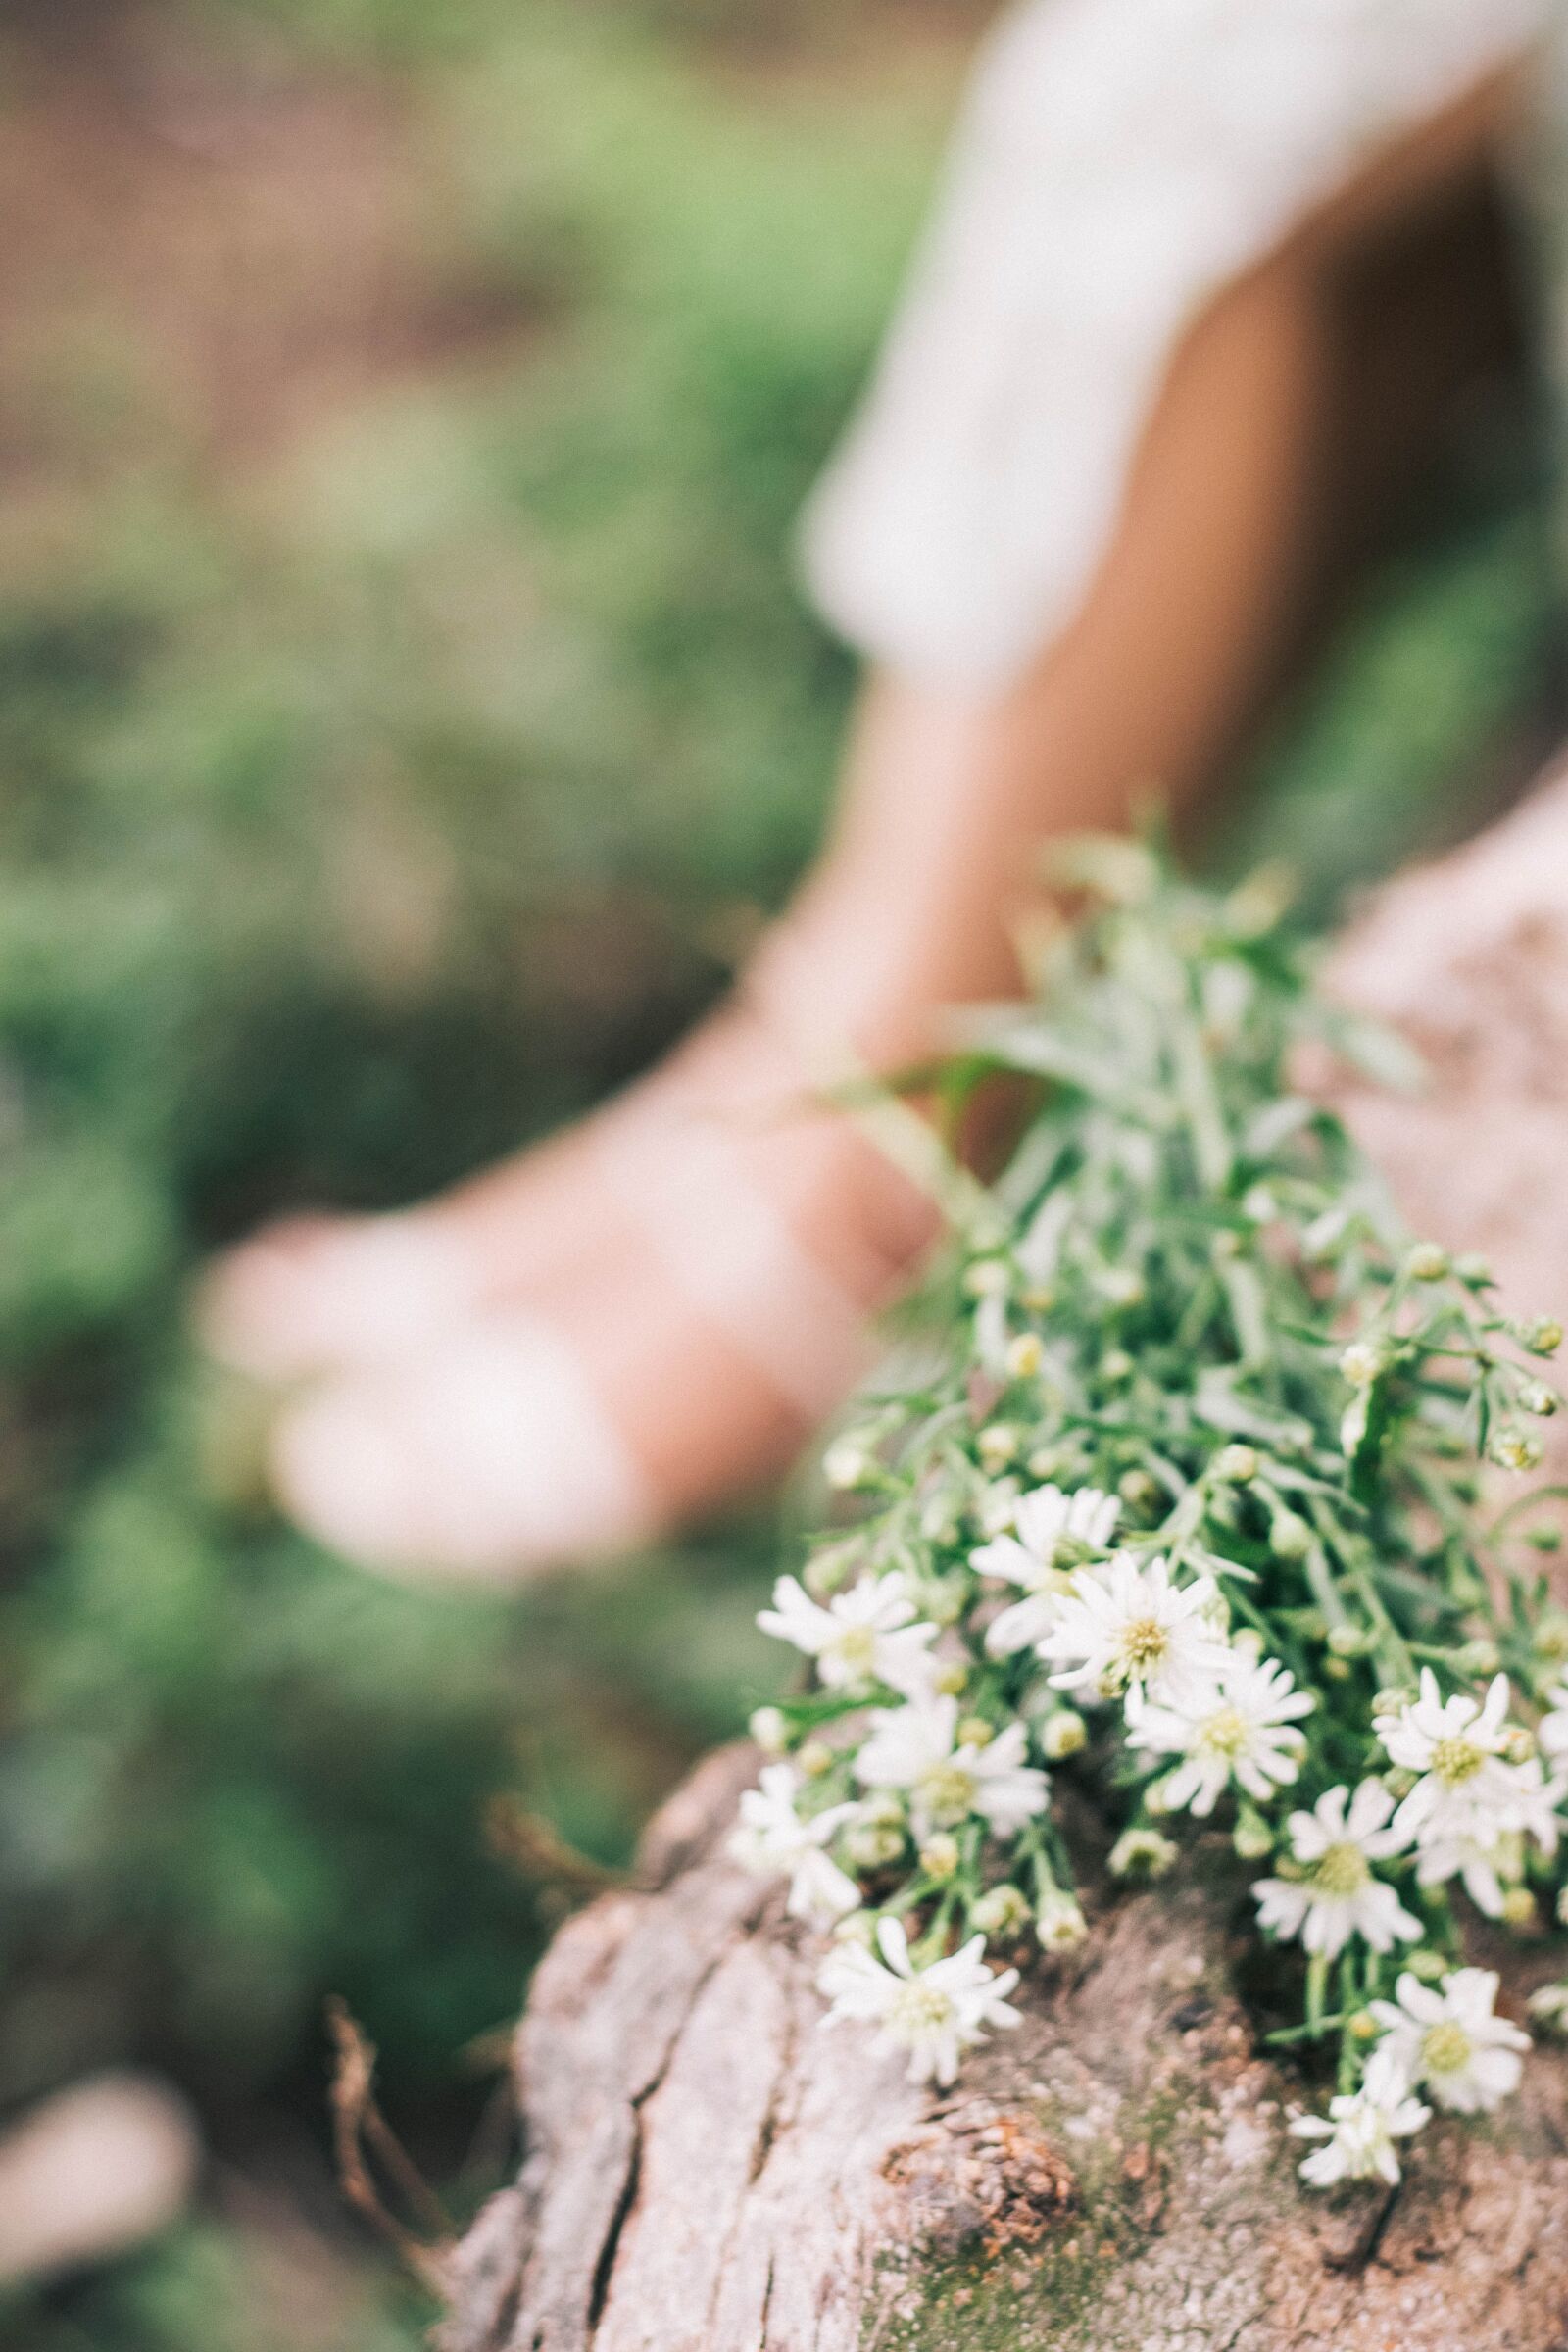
(369,810)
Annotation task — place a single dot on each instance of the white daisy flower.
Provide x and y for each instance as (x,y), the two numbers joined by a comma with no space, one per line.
(1045,1522)
(1130,1630)
(772,1840)
(916,1748)
(1340,1896)
(1048,1524)
(1485,1871)
(1465,1789)
(1535,1804)
(1246,1734)
(868,1635)
(1451,2042)
(935,2013)
(1553,1730)
(1362,2127)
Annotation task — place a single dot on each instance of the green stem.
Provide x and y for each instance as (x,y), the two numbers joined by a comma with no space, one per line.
(1317,1984)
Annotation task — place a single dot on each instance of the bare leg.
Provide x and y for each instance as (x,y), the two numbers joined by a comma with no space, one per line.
(691,1247)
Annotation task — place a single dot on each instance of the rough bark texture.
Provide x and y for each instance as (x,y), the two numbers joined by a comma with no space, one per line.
(705,2172)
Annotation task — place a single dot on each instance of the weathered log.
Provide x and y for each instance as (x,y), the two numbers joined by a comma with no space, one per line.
(705,2170)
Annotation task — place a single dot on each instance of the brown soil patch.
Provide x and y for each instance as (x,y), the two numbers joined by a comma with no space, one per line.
(209,243)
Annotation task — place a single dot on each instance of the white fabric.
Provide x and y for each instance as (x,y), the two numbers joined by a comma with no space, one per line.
(1118,163)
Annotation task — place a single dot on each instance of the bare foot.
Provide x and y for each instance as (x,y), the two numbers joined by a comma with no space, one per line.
(565,1356)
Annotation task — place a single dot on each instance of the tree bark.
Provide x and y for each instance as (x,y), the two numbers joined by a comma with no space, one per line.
(704,2171)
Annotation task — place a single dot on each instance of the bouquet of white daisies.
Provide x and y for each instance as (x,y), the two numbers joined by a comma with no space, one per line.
(1185,1502)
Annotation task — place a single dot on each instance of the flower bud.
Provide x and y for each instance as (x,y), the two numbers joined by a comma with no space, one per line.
(1001,1911)
(769,1730)
(1362,1364)
(1427,1262)
(1563,1907)
(1545,1539)
(1139,1490)
(1059,1923)
(975,1731)
(873,1844)
(940,1857)
(987,1278)
(1025,1356)
(1480,1658)
(1393,1701)
(1289,1536)
(830,1570)
(1335,1669)
(1252,1837)
(847,1464)
(859,1928)
(1550,2007)
(997,1446)
(1350,1642)
(1518,1907)
(1063,1733)
(1141,1853)
(1519,1745)
(1237,1465)
(1399,1782)
(1473,1271)
(1122,1287)
(1362,2025)
(1037,1297)
(1513,1448)
(951,1679)
(1536,1397)
(1117,1365)
(1542,1337)
(1427,1967)
(1259,1206)
(816,1758)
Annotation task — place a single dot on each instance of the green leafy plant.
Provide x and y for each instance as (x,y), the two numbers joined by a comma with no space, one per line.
(1184,1501)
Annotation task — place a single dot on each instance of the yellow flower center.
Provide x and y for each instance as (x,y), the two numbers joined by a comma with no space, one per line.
(1341,1870)
(1225,1733)
(1446,2049)
(948,1792)
(920,2007)
(856,1649)
(1144,1642)
(1455,1761)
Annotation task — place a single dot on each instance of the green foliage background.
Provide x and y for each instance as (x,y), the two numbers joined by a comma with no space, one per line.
(360,821)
